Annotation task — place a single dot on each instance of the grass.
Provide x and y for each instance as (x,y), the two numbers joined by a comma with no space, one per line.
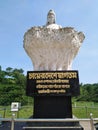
(80,110)
(83,109)
(24,112)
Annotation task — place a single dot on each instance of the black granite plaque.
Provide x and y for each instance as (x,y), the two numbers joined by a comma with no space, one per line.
(52,83)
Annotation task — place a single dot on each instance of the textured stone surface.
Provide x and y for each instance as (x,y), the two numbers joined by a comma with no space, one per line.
(52,47)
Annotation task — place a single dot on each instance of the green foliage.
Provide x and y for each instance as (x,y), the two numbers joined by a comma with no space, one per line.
(12,86)
(24,112)
(89,92)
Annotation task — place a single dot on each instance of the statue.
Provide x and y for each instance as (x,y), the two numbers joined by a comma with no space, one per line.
(51,19)
(52,47)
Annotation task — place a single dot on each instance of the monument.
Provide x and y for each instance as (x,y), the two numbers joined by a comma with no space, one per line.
(52,49)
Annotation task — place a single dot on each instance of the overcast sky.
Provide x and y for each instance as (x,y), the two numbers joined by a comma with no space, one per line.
(17,16)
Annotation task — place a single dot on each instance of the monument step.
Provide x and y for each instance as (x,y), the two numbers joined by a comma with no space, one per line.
(53,128)
(57,123)
(52,125)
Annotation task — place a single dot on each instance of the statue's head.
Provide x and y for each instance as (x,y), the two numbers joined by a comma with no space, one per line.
(51,17)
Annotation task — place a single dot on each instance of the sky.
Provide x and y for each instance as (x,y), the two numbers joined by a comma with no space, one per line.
(17,16)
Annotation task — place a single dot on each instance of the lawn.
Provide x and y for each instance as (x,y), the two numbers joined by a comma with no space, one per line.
(83,109)
(24,112)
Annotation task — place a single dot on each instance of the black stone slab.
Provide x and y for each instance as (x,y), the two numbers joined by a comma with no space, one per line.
(55,128)
(52,107)
(53,125)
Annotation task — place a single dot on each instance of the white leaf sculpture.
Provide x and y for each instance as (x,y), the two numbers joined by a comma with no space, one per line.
(52,47)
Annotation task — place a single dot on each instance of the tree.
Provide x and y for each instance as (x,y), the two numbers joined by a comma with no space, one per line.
(89,92)
(12,87)
(2,75)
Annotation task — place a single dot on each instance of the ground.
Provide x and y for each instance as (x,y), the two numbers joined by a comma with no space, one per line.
(7,126)
(18,126)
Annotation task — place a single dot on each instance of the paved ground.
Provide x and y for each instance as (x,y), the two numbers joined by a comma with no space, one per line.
(7,126)
(86,125)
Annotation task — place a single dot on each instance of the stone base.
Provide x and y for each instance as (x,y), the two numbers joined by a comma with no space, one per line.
(53,125)
(52,107)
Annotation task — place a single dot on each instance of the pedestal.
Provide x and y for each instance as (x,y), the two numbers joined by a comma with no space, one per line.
(52,107)
(52,93)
